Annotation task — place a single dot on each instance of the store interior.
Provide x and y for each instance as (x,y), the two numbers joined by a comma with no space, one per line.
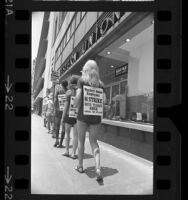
(130,94)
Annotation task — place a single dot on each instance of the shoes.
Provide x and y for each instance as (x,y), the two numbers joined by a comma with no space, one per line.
(66,154)
(79,169)
(73,156)
(56,144)
(99,175)
(60,146)
(53,136)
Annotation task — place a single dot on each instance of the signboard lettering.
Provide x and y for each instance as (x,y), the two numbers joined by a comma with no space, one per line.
(61,99)
(98,31)
(73,112)
(93,101)
(121,70)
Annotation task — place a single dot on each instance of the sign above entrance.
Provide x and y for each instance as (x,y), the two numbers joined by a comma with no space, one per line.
(99,29)
(121,70)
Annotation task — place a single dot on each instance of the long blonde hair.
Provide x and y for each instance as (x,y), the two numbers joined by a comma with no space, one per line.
(90,73)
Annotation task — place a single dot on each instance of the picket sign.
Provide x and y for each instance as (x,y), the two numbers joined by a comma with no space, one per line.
(73,112)
(93,101)
(62,99)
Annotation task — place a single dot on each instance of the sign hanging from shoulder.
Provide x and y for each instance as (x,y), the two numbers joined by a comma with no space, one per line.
(61,99)
(93,101)
(73,112)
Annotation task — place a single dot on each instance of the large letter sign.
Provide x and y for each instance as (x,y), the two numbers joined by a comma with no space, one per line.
(61,98)
(73,112)
(93,101)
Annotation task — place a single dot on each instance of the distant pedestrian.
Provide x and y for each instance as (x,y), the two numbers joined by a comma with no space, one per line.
(69,117)
(50,112)
(90,77)
(44,109)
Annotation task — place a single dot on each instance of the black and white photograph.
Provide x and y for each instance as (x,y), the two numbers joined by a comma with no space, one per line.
(95,0)
(92,101)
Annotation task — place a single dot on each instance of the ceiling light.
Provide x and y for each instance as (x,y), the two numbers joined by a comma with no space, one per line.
(128,40)
(108,52)
(112,66)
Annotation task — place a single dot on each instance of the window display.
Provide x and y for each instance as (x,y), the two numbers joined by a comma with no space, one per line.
(126,68)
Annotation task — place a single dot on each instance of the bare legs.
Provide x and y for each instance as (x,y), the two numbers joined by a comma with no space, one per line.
(67,142)
(81,128)
(94,130)
(75,139)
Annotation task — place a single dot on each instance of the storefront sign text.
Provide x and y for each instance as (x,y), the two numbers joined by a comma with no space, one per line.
(121,70)
(99,30)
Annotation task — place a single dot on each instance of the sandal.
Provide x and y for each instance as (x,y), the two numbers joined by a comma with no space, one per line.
(79,169)
(73,156)
(66,154)
(60,146)
(99,175)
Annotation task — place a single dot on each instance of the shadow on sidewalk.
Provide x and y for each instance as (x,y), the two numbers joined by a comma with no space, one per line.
(87,156)
(106,171)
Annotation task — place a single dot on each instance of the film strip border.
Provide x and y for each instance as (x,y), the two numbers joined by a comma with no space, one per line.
(167,94)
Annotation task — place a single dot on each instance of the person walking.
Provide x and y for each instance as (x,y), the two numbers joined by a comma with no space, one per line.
(49,112)
(58,114)
(69,117)
(89,118)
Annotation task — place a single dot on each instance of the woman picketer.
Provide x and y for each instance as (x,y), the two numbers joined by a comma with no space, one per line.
(90,77)
(70,119)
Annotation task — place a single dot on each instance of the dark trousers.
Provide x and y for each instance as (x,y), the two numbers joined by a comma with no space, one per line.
(45,121)
(57,127)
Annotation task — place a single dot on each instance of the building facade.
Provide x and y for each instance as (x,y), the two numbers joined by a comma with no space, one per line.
(122,43)
(40,65)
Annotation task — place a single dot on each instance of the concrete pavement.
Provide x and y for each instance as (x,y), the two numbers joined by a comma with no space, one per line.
(52,173)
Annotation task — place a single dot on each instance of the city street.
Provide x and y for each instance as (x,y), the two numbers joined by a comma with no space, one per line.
(52,173)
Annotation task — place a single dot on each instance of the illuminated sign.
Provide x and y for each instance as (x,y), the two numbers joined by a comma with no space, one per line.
(121,70)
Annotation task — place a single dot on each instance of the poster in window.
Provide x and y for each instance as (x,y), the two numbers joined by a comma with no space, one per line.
(93,101)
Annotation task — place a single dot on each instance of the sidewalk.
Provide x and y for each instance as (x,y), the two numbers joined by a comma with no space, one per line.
(52,173)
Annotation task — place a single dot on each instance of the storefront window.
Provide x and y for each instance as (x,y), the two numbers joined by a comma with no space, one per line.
(126,68)
(123,87)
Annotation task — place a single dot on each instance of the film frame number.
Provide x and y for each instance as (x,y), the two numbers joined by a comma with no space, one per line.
(8,187)
(8,98)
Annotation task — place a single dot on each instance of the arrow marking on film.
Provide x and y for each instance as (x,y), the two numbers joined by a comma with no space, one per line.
(8,85)
(8,177)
